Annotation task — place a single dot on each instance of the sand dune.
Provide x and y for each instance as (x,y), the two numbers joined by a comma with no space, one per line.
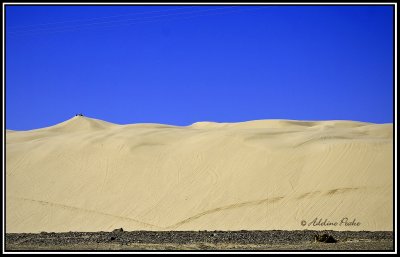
(90,175)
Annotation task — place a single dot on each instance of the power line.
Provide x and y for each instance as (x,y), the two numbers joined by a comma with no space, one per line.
(116,21)
(139,22)
(98,18)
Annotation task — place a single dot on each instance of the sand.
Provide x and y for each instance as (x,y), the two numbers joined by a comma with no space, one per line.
(86,174)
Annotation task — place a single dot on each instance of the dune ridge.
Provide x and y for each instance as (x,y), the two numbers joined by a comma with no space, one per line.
(86,174)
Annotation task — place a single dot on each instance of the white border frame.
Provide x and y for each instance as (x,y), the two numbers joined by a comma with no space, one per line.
(199,4)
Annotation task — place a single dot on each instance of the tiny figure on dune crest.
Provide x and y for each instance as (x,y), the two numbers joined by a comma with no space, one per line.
(79,114)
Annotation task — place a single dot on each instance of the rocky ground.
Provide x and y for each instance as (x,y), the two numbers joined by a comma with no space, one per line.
(199,240)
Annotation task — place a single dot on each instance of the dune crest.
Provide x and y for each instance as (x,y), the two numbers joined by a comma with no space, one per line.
(79,123)
(86,174)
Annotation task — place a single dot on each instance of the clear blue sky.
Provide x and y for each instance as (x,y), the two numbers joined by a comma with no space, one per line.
(182,64)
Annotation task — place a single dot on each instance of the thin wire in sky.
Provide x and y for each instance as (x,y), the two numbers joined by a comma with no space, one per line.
(116,21)
(97,18)
(143,20)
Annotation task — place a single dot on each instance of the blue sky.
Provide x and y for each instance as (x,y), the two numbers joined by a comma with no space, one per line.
(182,64)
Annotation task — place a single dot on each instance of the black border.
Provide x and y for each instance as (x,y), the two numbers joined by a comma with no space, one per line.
(236,3)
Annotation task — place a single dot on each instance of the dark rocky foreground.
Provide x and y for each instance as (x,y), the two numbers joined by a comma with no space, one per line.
(201,240)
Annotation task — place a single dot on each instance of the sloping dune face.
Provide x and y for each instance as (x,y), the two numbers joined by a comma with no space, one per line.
(89,175)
